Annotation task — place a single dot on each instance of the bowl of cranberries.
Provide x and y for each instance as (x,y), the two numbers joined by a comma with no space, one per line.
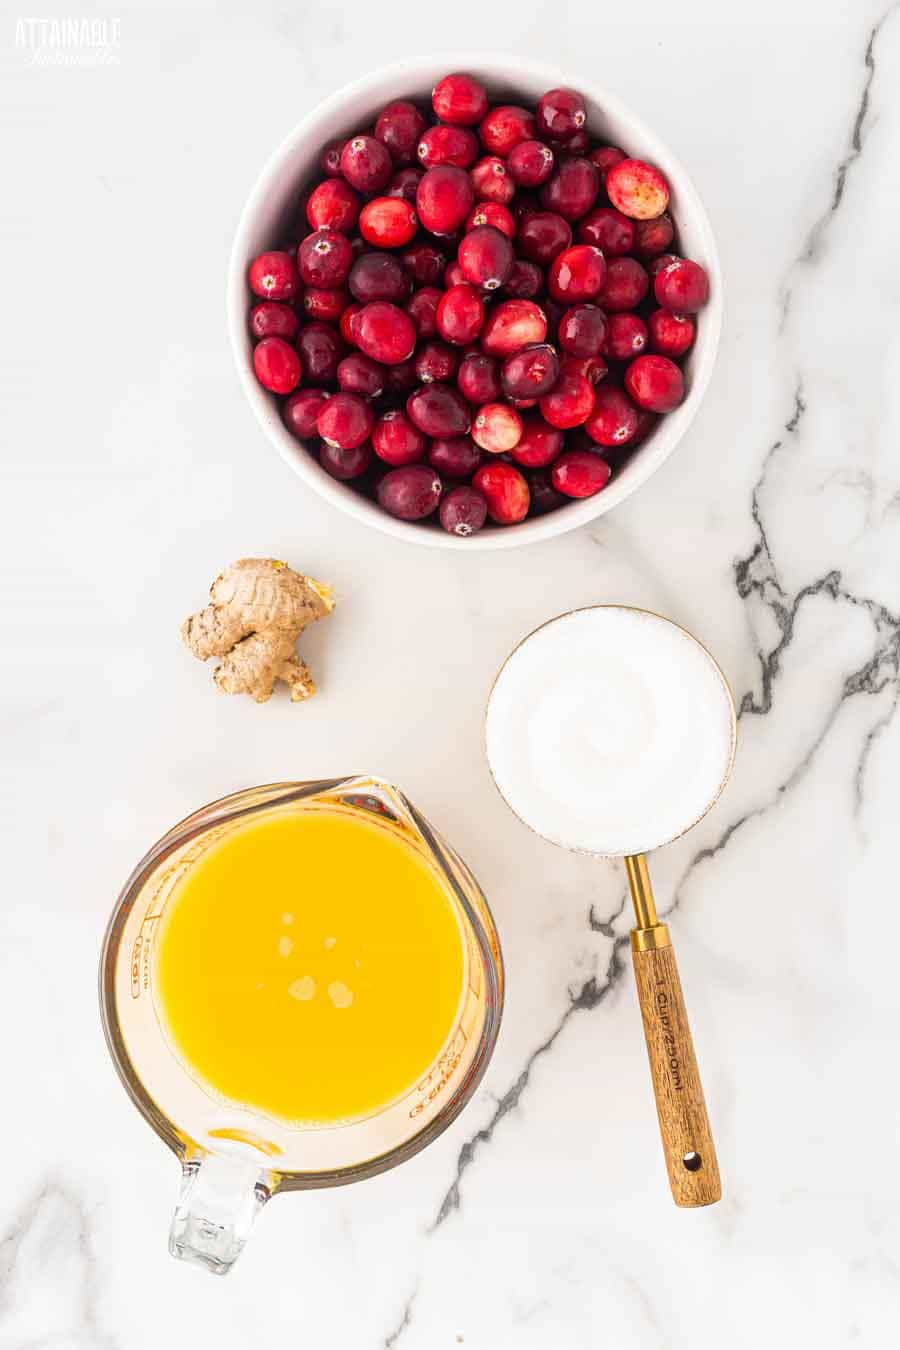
(474,307)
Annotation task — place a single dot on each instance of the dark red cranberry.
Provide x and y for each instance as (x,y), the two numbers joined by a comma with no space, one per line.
(447,145)
(593,368)
(324,258)
(404,184)
(387,222)
(460,99)
(438,410)
(366,164)
(604,157)
(652,237)
(270,319)
(626,285)
(330,159)
(542,235)
(454,456)
(581,330)
(494,214)
(539,443)
(646,422)
(396,440)
(478,378)
(626,337)
(544,497)
(410,493)
(654,382)
(401,377)
(512,325)
(345,420)
(560,113)
(506,491)
(530,163)
(424,263)
(578,144)
(491,181)
(347,320)
(573,188)
(525,281)
(453,275)
(422,308)
(273,276)
(379,276)
(504,127)
(320,350)
(671,334)
(463,511)
(610,231)
(656,265)
(324,304)
(385,333)
(333,205)
(637,189)
(530,373)
(435,361)
(580,473)
(614,420)
(569,403)
(301,410)
(496,428)
(460,314)
(399,127)
(276,365)
(486,257)
(358,374)
(682,286)
(345,464)
(577,274)
(444,198)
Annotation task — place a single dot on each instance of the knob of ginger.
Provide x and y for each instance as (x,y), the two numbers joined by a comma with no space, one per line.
(259,609)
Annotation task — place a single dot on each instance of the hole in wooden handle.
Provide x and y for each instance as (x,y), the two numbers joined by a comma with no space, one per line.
(692,1161)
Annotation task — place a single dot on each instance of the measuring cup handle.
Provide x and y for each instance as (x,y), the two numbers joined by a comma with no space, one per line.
(219,1199)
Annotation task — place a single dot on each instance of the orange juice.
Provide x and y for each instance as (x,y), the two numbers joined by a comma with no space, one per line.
(310,966)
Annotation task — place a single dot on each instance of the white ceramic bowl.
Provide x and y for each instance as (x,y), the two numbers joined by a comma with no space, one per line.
(271,211)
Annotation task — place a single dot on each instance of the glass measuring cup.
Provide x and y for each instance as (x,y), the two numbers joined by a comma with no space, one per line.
(234,1158)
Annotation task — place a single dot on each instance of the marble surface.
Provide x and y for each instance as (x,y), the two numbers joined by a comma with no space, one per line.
(133,469)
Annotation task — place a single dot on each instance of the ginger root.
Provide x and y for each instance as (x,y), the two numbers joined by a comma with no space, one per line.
(259,609)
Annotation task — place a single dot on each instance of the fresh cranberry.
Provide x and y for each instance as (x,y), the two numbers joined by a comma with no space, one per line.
(459,99)
(671,334)
(277,365)
(447,145)
(560,114)
(270,319)
(581,330)
(345,420)
(530,163)
(424,264)
(530,373)
(399,127)
(324,258)
(656,265)
(604,157)
(610,231)
(454,456)
(580,473)
(453,275)
(345,464)
(569,403)
(366,164)
(330,159)
(614,420)
(576,274)
(378,276)
(405,183)
(682,286)
(358,374)
(652,237)
(655,383)
(385,333)
(593,368)
(435,361)
(463,511)
(401,378)
(422,309)
(478,378)
(444,198)
(525,281)
(544,496)
(542,235)
(333,205)
(572,189)
(410,493)
(494,214)
(439,411)
(491,182)
(396,440)
(460,315)
(387,222)
(497,428)
(637,189)
(626,285)
(321,302)
(346,323)
(320,350)
(626,337)
(512,325)
(301,411)
(504,127)
(505,490)
(486,257)
(273,276)
(539,443)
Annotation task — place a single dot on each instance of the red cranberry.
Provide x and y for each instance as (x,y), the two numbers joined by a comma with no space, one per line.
(422,309)
(439,411)
(460,315)
(580,473)
(671,334)
(530,163)
(277,365)
(459,99)
(491,181)
(530,373)
(347,320)
(652,237)
(539,443)
(682,286)
(399,127)
(614,419)
(358,374)
(435,361)
(463,511)
(525,281)
(486,257)
(410,493)
(497,428)
(387,222)
(655,383)
(333,205)
(542,235)
(573,188)
(626,285)
(604,157)
(366,164)
(569,403)
(345,464)
(478,379)
(378,276)
(396,440)
(324,258)
(505,491)
(269,319)
(424,264)
(578,144)
(447,145)
(578,273)
(560,113)
(345,420)
(544,496)
(512,325)
(582,330)
(637,189)
(301,411)
(401,378)
(444,198)
(656,265)
(273,276)
(608,230)
(453,275)
(404,184)
(455,456)
(593,368)
(322,303)
(385,333)
(494,214)
(504,127)
(320,350)
(330,159)
(626,337)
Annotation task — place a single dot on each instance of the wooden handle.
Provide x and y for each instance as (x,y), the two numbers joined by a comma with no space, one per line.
(683,1122)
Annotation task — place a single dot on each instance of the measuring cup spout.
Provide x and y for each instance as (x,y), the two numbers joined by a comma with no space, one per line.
(219,1199)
